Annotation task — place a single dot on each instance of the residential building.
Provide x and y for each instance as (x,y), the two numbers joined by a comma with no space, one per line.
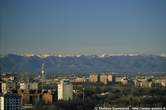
(124,81)
(118,78)
(33,86)
(7,77)
(110,78)
(80,79)
(93,78)
(47,97)
(23,85)
(3,88)
(144,83)
(65,90)
(163,82)
(104,78)
(29,96)
(10,102)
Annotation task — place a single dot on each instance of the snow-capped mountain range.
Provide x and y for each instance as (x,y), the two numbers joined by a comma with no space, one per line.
(83,63)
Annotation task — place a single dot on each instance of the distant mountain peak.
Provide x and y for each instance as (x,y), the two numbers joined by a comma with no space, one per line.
(163,55)
(38,55)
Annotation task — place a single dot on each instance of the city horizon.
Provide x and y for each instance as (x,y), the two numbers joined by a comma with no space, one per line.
(29,54)
(82,54)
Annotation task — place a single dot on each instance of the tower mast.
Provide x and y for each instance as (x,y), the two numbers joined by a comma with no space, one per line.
(42,72)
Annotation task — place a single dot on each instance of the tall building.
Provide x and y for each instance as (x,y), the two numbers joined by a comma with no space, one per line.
(42,72)
(3,88)
(93,78)
(65,90)
(10,102)
(104,79)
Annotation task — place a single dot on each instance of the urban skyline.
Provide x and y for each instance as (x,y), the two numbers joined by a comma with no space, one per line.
(82,55)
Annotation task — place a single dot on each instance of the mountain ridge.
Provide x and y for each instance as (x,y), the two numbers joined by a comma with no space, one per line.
(83,63)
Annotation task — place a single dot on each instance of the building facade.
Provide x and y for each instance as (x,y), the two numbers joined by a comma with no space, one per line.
(110,78)
(65,90)
(104,79)
(3,88)
(93,78)
(10,102)
(33,86)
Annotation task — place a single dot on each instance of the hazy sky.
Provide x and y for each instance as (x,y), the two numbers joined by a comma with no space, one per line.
(83,26)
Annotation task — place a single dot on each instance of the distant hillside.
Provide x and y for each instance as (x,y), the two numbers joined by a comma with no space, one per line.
(83,64)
